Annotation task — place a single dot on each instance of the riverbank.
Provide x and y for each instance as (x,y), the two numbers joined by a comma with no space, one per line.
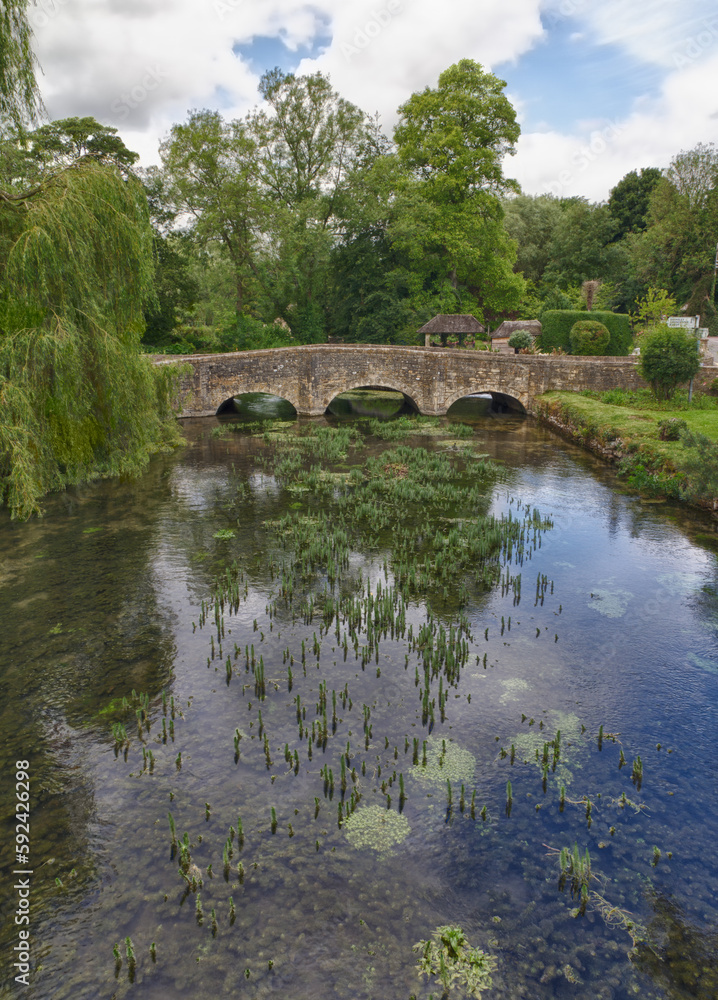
(628,430)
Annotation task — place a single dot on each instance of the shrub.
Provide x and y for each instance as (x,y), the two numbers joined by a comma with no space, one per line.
(520,340)
(670,428)
(700,464)
(668,359)
(556,325)
(589,338)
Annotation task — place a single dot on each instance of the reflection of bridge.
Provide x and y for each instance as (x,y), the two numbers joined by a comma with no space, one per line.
(309,377)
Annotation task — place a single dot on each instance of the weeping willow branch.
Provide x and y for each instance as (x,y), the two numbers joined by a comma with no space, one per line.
(77,398)
(19,94)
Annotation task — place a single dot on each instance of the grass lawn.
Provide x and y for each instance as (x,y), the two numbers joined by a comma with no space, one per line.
(629,421)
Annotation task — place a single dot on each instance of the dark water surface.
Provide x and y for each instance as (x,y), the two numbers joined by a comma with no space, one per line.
(616,627)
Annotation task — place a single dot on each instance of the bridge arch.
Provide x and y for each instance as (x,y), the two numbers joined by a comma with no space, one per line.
(409,399)
(260,402)
(518,402)
(220,398)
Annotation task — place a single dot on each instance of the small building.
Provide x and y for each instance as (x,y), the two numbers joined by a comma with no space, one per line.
(444,326)
(500,336)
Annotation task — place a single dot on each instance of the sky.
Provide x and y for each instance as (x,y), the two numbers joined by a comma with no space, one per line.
(600,87)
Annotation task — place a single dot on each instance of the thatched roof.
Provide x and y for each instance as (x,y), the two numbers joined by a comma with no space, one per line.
(510,326)
(461,323)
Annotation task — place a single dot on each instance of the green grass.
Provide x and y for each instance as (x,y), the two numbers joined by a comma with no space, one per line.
(628,422)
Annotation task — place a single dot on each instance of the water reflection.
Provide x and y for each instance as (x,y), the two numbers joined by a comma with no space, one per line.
(616,628)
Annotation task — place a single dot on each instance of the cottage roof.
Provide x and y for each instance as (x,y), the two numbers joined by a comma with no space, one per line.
(458,323)
(509,326)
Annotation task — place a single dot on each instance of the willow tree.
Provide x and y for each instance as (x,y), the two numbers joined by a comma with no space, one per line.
(19,95)
(77,398)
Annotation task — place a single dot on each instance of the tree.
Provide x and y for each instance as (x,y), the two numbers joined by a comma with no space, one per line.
(654,306)
(700,464)
(582,246)
(677,250)
(176,288)
(210,168)
(531,221)
(451,140)
(19,94)
(669,358)
(454,137)
(78,399)
(694,174)
(310,141)
(629,200)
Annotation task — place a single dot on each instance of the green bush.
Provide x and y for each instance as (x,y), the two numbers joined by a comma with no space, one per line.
(670,428)
(669,358)
(700,465)
(556,326)
(589,338)
(520,340)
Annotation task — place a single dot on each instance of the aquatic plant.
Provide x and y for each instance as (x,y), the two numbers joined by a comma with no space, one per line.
(375,828)
(575,869)
(444,761)
(449,957)
(637,772)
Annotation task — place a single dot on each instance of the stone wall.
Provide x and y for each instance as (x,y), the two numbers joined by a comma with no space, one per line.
(309,377)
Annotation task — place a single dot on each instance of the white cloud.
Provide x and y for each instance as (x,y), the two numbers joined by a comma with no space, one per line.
(384,50)
(593,160)
(142,64)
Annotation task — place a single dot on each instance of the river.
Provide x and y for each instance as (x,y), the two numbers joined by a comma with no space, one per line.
(374,675)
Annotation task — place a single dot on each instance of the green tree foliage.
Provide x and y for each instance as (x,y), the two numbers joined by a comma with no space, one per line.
(677,250)
(589,338)
(669,358)
(455,136)
(629,200)
(452,139)
(175,287)
(19,95)
(582,246)
(310,141)
(654,305)
(531,221)
(78,399)
(210,169)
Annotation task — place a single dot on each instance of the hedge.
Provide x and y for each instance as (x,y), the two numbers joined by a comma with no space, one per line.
(556,327)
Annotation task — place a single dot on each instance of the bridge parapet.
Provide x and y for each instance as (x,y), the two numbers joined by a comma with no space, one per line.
(310,376)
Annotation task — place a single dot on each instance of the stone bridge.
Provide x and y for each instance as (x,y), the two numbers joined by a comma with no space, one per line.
(309,377)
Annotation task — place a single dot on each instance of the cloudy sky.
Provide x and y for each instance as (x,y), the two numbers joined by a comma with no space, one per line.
(601,87)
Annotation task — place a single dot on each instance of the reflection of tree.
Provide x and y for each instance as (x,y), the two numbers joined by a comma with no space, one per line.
(81,625)
(682,958)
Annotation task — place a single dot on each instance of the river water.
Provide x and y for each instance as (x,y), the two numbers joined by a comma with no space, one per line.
(406,609)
